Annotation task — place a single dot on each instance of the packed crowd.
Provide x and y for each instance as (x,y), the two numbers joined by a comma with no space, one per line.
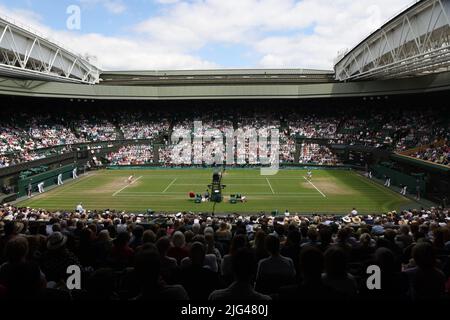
(317,154)
(186,256)
(131,155)
(437,154)
(144,130)
(392,128)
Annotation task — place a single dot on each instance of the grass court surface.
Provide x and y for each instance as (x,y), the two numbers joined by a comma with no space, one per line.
(166,190)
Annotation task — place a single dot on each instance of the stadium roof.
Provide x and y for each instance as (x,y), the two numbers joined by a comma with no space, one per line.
(415,42)
(216,76)
(210,90)
(415,39)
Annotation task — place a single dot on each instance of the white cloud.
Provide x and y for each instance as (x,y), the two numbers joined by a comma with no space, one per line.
(114,53)
(115,7)
(316,29)
(167,1)
(112,6)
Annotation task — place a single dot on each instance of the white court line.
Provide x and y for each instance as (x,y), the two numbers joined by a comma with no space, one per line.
(273,192)
(315,187)
(170,184)
(114,194)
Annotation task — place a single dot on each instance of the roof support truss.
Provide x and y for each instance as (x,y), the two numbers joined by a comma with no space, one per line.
(26,54)
(414,43)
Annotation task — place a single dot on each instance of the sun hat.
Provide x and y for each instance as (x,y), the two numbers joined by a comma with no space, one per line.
(56,240)
(346,219)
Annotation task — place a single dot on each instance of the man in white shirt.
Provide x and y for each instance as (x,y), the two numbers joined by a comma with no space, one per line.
(41,187)
(387,183)
(74,173)
(60,181)
(80,208)
(403,191)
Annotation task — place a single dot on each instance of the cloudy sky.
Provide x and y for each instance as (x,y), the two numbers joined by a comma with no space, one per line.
(203,34)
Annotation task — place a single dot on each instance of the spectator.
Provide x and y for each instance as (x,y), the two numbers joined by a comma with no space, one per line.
(121,253)
(198,280)
(169,266)
(244,269)
(238,242)
(426,282)
(336,275)
(21,279)
(179,249)
(274,271)
(147,270)
(311,285)
(57,259)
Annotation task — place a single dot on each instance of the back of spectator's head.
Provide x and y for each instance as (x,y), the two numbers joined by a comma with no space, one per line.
(441,236)
(86,235)
(390,234)
(335,262)
(294,237)
(199,238)
(56,241)
(304,229)
(138,231)
(404,229)
(56,227)
(312,234)
(208,230)
(325,235)
(178,239)
(343,234)
(188,235)
(148,236)
(209,241)
(104,235)
(260,237)
(197,253)
(122,239)
(112,230)
(311,262)
(163,245)
(244,264)
(147,266)
(16,249)
(196,228)
(239,241)
(80,224)
(365,239)
(385,259)
(223,226)
(424,256)
(272,244)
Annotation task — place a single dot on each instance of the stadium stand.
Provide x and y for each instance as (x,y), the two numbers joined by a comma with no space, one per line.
(189,256)
(398,129)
